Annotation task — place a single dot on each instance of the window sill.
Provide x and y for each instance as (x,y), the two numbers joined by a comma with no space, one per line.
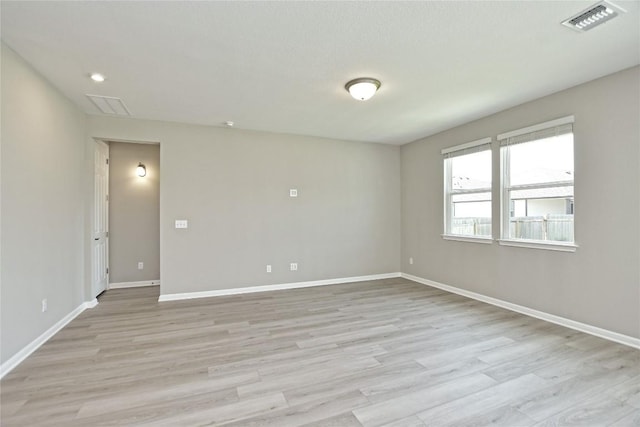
(536,244)
(471,239)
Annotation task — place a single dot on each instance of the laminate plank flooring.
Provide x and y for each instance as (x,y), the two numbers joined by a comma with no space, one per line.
(380,353)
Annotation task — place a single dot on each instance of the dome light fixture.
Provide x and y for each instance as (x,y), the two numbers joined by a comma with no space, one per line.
(141,170)
(97,77)
(362,88)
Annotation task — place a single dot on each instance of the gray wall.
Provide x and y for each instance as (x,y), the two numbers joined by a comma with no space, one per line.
(233,188)
(134,212)
(43,138)
(599,284)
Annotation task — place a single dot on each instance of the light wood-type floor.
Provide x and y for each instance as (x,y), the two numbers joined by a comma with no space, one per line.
(388,352)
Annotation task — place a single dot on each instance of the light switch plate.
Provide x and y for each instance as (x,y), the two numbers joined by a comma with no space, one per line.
(182,223)
(293,192)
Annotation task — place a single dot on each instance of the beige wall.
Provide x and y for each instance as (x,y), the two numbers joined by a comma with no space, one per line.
(134,213)
(599,284)
(42,205)
(233,188)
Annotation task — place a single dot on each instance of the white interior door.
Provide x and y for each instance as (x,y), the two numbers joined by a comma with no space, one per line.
(100,244)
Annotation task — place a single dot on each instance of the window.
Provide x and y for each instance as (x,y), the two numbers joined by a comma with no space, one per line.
(467,177)
(537,183)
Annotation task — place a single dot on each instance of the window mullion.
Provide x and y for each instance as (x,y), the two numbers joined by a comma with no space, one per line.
(448,208)
(473,191)
(505,199)
(541,185)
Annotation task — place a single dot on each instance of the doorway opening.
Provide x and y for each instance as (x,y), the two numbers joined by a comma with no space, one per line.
(126,220)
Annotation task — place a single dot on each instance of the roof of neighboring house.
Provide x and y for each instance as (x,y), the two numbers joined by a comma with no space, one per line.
(537,175)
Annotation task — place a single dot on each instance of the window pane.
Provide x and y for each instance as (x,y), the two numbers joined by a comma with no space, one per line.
(541,213)
(471,226)
(543,160)
(545,218)
(472,171)
(471,214)
(550,227)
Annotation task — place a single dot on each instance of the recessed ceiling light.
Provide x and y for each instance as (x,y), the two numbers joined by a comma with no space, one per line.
(97,77)
(363,88)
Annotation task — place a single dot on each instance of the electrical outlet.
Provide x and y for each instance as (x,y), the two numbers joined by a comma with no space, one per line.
(293,266)
(44,305)
(293,192)
(140,265)
(268,268)
(411,260)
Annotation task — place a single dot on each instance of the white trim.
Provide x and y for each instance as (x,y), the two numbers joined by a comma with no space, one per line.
(539,126)
(278,287)
(128,141)
(91,304)
(26,351)
(536,244)
(472,239)
(541,185)
(447,196)
(119,285)
(562,321)
(505,200)
(466,145)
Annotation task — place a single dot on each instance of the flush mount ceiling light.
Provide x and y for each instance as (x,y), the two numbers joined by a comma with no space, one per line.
(362,88)
(97,77)
(590,18)
(141,170)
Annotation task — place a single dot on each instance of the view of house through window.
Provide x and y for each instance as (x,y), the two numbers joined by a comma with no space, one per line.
(468,193)
(538,185)
(536,188)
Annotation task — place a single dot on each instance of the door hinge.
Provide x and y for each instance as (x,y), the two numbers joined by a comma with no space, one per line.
(107,161)
(107,197)
(107,234)
(107,270)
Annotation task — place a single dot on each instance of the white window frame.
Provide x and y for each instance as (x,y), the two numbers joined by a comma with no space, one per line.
(483,144)
(506,188)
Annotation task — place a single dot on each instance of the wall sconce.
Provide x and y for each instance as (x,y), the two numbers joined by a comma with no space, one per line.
(141,170)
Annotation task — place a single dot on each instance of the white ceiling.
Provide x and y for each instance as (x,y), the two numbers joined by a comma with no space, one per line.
(282,66)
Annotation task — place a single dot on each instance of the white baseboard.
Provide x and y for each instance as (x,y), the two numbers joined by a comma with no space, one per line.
(17,358)
(562,321)
(278,287)
(120,285)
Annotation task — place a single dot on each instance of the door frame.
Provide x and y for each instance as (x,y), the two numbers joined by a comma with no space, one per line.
(91,224)
(94,290)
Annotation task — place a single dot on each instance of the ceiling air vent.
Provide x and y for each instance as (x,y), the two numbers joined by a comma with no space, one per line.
(109,105)
(597,14)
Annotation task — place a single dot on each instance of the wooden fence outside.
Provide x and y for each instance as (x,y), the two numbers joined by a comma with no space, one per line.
(558,228)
